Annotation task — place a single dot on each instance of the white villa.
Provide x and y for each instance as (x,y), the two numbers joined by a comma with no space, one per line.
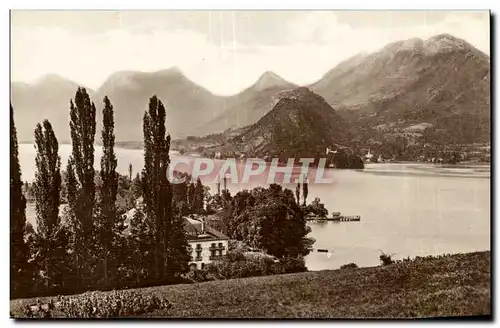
(206,244)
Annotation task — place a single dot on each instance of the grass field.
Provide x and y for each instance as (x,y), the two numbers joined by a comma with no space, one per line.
(451,285)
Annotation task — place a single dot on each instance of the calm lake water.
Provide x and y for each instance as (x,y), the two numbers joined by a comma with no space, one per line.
(406,209)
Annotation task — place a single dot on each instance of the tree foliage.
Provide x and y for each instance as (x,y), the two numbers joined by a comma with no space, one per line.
(317,208)
(51,237)
(83,128)
(102,230)
(198,197)
(19,271)
(108,230)
(297,192)
(269,219)
(157,191)
(305,191)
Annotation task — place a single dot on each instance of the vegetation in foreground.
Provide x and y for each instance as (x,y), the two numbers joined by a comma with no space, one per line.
(83,241)
(448,285)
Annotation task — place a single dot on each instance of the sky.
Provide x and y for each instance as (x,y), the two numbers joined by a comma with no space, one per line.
(223,51)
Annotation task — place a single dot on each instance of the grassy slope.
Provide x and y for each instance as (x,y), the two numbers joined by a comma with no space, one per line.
(452,285)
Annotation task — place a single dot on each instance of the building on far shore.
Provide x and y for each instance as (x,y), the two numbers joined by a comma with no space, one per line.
(206,244)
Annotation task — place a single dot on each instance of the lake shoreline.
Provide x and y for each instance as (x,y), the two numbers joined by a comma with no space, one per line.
(119,145)
(407,215)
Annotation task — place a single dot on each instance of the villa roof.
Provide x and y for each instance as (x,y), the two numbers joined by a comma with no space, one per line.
(194,231)
(192,227)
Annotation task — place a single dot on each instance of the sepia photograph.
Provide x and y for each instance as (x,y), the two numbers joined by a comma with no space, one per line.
(250,164)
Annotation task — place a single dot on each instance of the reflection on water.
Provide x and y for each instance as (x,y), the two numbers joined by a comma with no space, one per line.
(415,212)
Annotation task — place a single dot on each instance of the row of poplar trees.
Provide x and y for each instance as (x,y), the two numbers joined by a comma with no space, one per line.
(85,247)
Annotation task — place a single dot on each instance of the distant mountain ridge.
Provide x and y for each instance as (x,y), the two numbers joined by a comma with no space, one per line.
(187,104)
(270,80)
(399,66)
(190,107)
(47,98)
(248,106)
(442,82)
(300,124)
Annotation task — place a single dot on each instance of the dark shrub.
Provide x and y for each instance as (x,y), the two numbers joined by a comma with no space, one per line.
(235,256)
(237,265)
(198,275)
(386,259)
(293,264)
(349,266)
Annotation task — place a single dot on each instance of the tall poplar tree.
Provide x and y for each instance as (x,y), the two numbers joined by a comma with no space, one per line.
(72,196)
(83,128)
(199,195)
(109,177)
(18,248)
(305,189)
(157,190)
(47,188)
(175,247)
(156,161)
(177,256)
(137,186)
(191,196)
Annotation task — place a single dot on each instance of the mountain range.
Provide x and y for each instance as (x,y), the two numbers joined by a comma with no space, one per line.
(191,109)
(443,82)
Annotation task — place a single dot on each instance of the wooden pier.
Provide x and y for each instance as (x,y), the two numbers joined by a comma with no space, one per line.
(335,218)
(344,218)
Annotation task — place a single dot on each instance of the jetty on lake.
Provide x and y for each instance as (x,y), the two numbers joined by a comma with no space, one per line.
(336,217)
(345,218)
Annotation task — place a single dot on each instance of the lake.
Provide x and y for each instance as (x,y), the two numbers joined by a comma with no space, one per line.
(406,209)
